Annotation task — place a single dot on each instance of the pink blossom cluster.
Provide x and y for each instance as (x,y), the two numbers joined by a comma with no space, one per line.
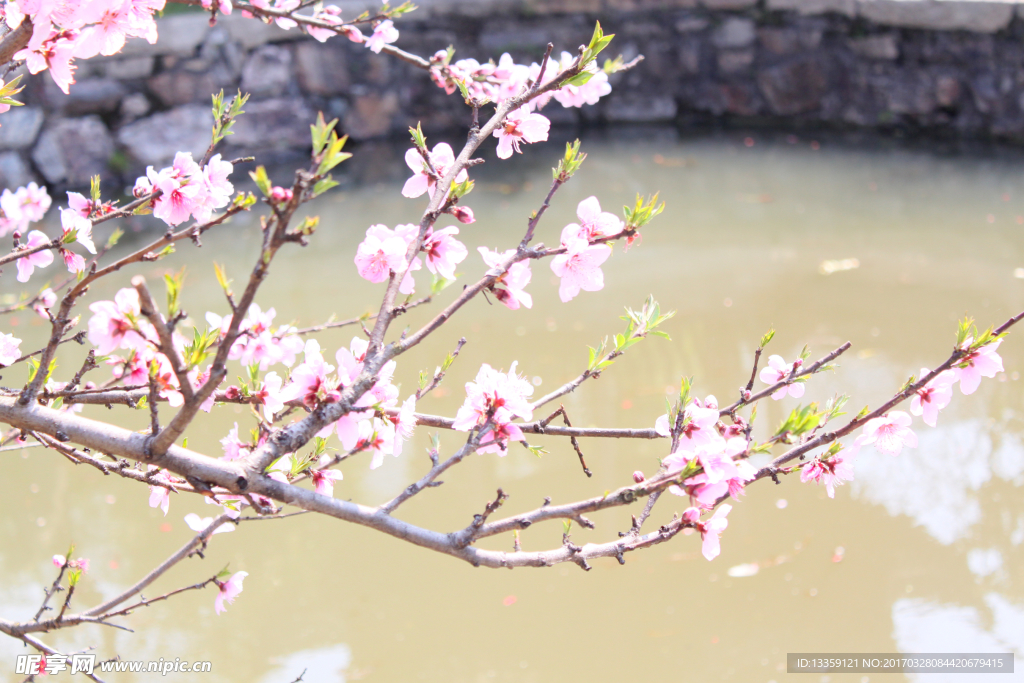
(10,349)
(715,448)
(372,425)
(29,204)
(383,254)
(186,189)
(227,591)
(890,433)
(498,398)
(580,266)
(779,370)
(63,31)
(510,287)
(498,82)
(710,529)
(258,340)
(119,324)
(441,158)
(81,563)
(25,205)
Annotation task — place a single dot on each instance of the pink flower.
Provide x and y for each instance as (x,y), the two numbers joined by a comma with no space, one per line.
(520,126)
(79,204)
(40,259)
(225,7)
(833,472)
(81,563)
(776,372)
(51,50)
(593,224)
(160,497)
(711,530)
(698,428)
(177,198)
(234,448)
(380,254)
(25,205)
(444,252)
(503,397)
(76,229)
(165,380)
(378,438)
(510,287)
(890,433)
(75,262)
(984,362)
(229,590)
(215,175)
(579,267)
(442,158)
(197,524)
(404,422)
(270,395)
(47,298)
(934,396)
(9,349)
(328,15)
(383,33)
(107,35)
(309,381)
(323,481)
(117,323)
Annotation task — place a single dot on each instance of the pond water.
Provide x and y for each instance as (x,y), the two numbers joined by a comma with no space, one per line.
(922,553)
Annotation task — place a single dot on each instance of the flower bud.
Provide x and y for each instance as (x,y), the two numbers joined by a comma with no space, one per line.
(279,195)
(232,393)
(463,214)
(638,477)
(691,515)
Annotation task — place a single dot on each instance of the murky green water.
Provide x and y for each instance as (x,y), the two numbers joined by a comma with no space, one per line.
(932,543)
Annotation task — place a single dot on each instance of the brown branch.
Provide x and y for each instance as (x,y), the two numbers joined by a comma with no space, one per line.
(164,333)
(16,40)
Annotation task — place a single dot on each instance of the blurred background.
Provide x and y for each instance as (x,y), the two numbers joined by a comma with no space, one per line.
(881,230)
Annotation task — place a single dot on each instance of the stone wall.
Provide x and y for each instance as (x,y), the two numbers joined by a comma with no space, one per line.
(932,66)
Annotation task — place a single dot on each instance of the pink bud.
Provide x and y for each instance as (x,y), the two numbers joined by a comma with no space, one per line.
(638,476)
(58,560)
(232,393)
(279,195)
(463,214)
(691,515)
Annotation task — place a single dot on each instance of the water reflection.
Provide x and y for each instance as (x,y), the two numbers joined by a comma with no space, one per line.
(923,626)
(323,665)
(739,248)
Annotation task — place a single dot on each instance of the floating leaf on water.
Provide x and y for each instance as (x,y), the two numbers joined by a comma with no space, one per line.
(835,266)
(742,570)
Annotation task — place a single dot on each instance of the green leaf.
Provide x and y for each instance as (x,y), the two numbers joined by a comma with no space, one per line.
(320,132)
(174,282)
(417,136)
(579,79)
(261,179)
(323,185)
(222,278)
(333,154)
(94,189)
(768,336)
